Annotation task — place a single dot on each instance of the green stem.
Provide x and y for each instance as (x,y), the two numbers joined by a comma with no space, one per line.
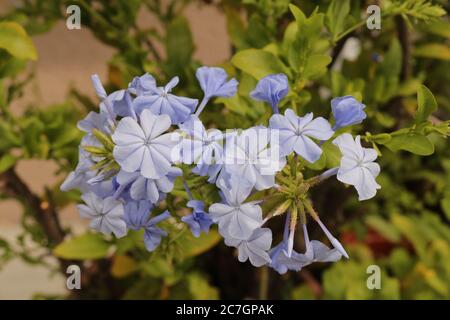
(356,26)
(294,166)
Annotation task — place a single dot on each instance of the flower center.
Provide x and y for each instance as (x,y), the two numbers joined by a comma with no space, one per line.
(147,142)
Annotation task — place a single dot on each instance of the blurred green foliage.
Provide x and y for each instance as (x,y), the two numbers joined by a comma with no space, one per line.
(401,73)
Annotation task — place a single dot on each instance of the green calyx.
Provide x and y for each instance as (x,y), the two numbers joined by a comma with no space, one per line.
(292,193)
(103,155)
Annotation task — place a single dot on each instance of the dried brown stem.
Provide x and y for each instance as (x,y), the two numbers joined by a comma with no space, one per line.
(44,213)
(405,41)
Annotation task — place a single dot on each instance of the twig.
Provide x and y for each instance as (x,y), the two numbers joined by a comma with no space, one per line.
(405,41)
(46,216)
(45,213)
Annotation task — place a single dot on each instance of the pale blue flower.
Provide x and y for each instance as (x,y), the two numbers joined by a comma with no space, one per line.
(254,248)
(119,102)
(202,147)
(143,147)
(137,216)
(142,85)
(281,262)
(214,171)
(98,86)
(161,101)
(198,221)
(141,188)
(357,166)
(213,81)
(104,188)
(137,213)
(316,251)
(100,121)
(319,252)
(106,214)
(295,134)
(252,156)
(347,111)
(153,234)
(280,259)
(235,218)
(271,89)
(78,179)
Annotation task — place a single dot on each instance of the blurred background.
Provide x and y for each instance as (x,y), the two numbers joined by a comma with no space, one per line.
(405,229)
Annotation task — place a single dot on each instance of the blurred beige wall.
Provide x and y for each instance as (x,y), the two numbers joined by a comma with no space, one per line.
(67,58)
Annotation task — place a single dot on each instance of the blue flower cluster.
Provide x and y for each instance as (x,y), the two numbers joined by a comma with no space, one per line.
(149,131)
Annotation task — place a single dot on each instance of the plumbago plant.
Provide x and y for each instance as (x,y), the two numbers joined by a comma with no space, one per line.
(272,158)
(129,156)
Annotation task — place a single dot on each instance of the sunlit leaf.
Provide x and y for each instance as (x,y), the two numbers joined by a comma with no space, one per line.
(15,40)
(86,246)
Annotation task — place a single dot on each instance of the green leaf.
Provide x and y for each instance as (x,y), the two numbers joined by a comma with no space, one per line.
(303,292)
(400,262)
(308,28)
(14,39)
(380,138)
(318,165)
(192,246)
(158,267)
(258,63)
(123,266)
(433,51)
(316,66)
(305,53)
(6,162)
(412,142)
(445,205)
(383,227)
(9,137)
(426,104)
(438,27)
(392,62)
(9,65)
(337,16)
(179,45)
(332,153)
(235,27)
(199,287)
(410,230)
(86,246)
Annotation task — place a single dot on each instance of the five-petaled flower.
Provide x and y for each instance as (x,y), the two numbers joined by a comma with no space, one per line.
(161,101)
(198,221)
(296,132)
(106,214)
(201,147)
(254,156)
(138,216)
(143,147)
(254,248)
(235,218)
(357,166)
(141,188)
